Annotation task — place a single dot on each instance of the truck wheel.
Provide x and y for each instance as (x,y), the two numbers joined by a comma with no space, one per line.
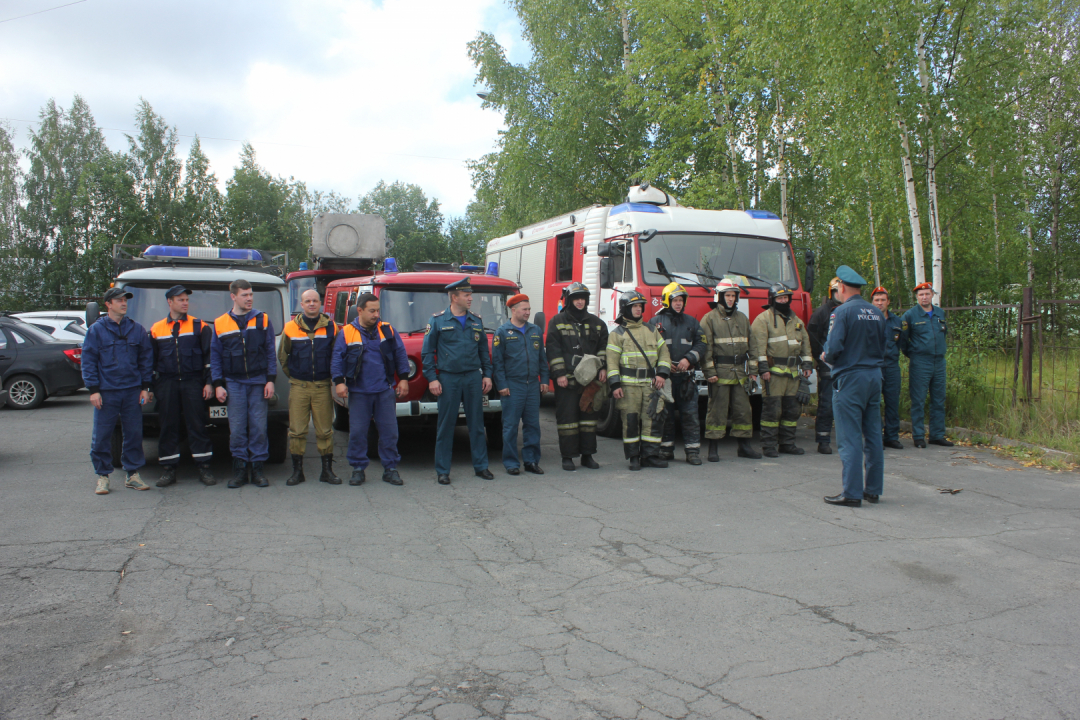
(610,423)
(117,442)
(25,392)
(278,435)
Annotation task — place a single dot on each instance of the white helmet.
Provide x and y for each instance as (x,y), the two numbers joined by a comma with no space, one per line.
(725,285)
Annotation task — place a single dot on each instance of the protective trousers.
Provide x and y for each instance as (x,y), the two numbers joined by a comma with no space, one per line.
(459,389)
(927,372)
(118,406)
(310,400)
(683,411)
(380,407)
(175,397)
(779,411)
(890,390)
(521,406)
(577,429)
(640,438)
(247,422)
(728,398)
(823,423)
(857,406)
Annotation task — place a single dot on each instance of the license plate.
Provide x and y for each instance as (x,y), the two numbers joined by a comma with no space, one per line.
(219,412)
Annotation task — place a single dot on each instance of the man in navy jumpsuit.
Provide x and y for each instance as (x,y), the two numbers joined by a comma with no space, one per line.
(923,341)
(117,369)
(855,348)
(521,375)
(890,371)
(457,366)
(367,355)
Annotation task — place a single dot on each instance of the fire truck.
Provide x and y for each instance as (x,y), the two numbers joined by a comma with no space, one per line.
(643,244)
(342,245)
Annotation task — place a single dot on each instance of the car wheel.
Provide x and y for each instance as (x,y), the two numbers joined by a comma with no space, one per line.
(25,392)
(278,435)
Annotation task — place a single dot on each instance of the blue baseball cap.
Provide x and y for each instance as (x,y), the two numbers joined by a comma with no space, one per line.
(176,290)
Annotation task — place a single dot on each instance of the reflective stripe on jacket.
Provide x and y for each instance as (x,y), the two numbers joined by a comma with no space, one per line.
(628,365)
(727,338)
(778,345)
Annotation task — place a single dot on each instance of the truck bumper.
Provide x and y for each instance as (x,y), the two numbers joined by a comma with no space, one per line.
(416,408)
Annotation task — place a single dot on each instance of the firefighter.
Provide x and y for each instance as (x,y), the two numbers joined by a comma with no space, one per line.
(727,343)
(780,354)
(521,375)
(182,383)
(572,335)
(923,341)
(890,371)
(819,330)
(638,364)
(686,346)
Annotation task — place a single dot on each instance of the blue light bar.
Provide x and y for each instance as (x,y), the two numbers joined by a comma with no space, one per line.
(390,265)
(471,268)
(303,266)
(762,215)
(493,269)
(202,253)
(635,207)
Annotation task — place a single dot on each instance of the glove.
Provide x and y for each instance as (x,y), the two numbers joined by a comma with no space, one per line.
(803,395)
(656,407)
(587,395)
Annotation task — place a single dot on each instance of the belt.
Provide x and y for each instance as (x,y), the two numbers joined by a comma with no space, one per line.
(786,362)
(731,359)
(637,373)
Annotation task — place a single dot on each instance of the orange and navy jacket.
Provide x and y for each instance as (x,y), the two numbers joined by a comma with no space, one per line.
(305,355)
(242,349)
(181,348)
(347,364)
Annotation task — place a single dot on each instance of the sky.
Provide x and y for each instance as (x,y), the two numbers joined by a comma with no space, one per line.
(336,93)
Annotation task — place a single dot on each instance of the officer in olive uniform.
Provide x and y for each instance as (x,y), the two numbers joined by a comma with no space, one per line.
(890,370)
(182,382)
(571,335)
(638,364)
(727,343)
(855,350)
(457,366)
(686,345)
(779,347)
(521,375)
(923,341)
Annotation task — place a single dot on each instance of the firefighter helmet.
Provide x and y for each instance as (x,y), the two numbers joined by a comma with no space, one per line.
(834,286)
(575,288)
(779,290)
(671,291)
(724,286)
(627,300)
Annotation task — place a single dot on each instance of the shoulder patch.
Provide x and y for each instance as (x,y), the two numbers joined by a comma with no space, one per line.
(903,325)
(496,341)
(427,328)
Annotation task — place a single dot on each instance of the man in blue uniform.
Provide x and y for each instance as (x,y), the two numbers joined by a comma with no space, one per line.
(521,375)
(855,349)
(182,382)
(367,356)
(243,366)
(890,370)
(457,366)
(117,368)
(923,341)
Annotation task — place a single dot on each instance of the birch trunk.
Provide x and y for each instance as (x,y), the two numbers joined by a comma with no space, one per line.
(873,242)
(625,39)
(912,205)
(931,173)
(781,170)
(900,237)
(1031,246)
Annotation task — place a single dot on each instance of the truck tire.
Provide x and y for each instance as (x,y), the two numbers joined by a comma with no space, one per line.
(610,423)
(25,392)
(278,435)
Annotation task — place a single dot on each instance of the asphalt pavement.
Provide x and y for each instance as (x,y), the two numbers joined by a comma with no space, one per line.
(723,591)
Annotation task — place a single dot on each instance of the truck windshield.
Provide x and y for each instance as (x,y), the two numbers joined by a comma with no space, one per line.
(410,310)
(148,305)
(697,256)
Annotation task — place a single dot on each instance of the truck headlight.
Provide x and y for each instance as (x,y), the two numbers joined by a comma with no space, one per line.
(412,369)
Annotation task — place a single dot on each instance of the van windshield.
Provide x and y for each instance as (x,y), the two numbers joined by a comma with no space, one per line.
(148,304)
(708,257)
(410,310)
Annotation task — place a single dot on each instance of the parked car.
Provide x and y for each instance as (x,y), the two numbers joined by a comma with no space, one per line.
(78,316)
(59,328)
(34,365)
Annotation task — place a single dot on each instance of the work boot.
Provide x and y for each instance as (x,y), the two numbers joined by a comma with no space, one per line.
(239,474)
(135,482)
(205,476)
(568,464)
(942,442)
(770,452)
(693,456)
(587,461)
(894,444)
(391,476)
(168,477)
(667,452)
(745,451)
(714,451)
(102,485)
(328,475)
(920,443)
(792,450)
(358,477)
(635,463)
(824,449)
(257,476)
(654,462)
(297,476)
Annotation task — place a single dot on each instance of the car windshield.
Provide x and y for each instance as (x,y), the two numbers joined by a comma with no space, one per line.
(75,328)
(707,257)
(410,310)
(148,304)
(34,333)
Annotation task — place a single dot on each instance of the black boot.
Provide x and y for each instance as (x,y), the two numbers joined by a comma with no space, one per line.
(257,476)
(168,477)
(587,461)
(635,463)
(824,449)
(568,464)
(239,474)
(667,452)
(328,475)
(205,476)
(714,451)
(746,451)
(297,476)
(693,456)
(770,452)
(792,450)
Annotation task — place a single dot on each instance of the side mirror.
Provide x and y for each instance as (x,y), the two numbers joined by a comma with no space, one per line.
(647,235)
(93,312)
(604,250)
(808,281)
(540,321)
(607,272)
(352,315)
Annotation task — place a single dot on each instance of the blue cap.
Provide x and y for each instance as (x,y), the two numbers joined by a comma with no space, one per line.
(462,285)
(176,290)
(849,276)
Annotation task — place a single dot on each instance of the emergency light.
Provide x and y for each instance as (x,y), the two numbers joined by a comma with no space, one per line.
(493,269)
(202,253)
(303,266)
(470,268)
(390,265)
(761,215)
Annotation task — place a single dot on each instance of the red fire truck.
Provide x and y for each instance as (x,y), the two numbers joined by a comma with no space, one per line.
(645,243)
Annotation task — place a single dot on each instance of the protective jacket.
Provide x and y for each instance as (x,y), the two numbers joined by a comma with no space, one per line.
(518,355)
(117,356)
(682,334)
(350,349)
(305,355)
(243,348)
(626,363)
(181,348)
(727,338)
(569,339)
(923,333)
(779,346)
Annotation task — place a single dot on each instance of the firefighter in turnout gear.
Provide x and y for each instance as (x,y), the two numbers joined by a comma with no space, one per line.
(571,335)
(686,345)
(638,364)
(780,354)
(727,342)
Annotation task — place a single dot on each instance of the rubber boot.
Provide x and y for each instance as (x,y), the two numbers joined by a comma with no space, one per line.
(328,475)
(257,476)
(588,462)
(746,451)
(635,463)
(568,464)
(297,476)
(714,451)
(239,474)
(693,456)
(667,452)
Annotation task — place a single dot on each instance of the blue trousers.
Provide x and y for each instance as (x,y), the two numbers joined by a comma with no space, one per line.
(856,407)
(118,406)
(521,406)
(382,408)
(927,372)
(823,423)
(890,391)
(247,422)
(460,388)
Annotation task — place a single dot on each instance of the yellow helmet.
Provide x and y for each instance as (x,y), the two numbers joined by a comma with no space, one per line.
(670,291)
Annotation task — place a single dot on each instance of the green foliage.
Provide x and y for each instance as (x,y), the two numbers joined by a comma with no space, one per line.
(264,212)
(413,223)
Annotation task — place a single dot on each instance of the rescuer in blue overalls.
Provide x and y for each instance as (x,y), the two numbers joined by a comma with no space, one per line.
(457,366)
(923,341)
(855,348)
(890,371)
(521,375)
